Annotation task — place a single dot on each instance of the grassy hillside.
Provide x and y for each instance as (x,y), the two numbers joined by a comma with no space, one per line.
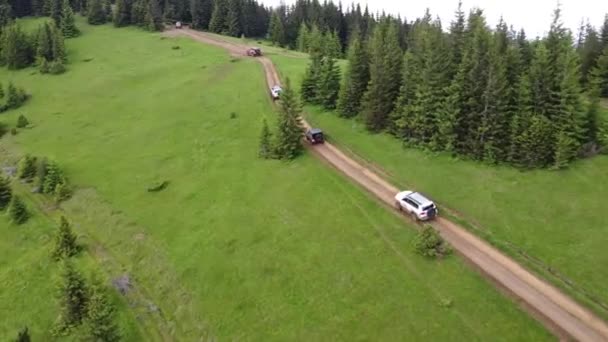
(235,247)
(555,220)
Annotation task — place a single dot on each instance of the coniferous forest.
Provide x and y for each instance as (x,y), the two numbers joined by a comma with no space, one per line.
(486,93)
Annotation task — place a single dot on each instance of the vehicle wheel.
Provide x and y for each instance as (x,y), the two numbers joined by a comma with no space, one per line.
(398,206)
(414,217)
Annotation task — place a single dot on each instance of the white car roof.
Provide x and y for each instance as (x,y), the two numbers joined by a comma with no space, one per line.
(415,196)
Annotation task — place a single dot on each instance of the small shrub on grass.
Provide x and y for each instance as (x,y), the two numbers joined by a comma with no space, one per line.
(27,167)
(100,314)
(23,335)
(13,131)
(3,129)
(56,68)
(430,244)
(22,121)
(17,210)
(6,193)
(54,176)
(41,172)
(233,115)
(43,66)
(158,187)
(176,47)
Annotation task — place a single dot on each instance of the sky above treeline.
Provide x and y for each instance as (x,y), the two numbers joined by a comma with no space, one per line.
(533,15)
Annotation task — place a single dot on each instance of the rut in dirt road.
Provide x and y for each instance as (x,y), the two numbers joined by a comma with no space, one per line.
(558,312)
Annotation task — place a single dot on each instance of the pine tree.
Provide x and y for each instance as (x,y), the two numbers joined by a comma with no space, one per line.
(154,16)
(311,79)
(290,130)
(16,50)
(589,52)
(355,79)
(276,29)
(68,26)
(23,336)
(303,38)
(604,33)
(6,14)
(15,97)
(27,167)
(315,41)
(266,150)
(457,39)
(331,45)
(201,14)
(17,210)
(56,10)
(6,192)
(218,23)
(122,16)
(328,83)
(54,176)
(41,172)
(138,12)
(601,73)
(100,315)
(96,14)
(44,46)
(107,9)
(384,84)
(233,18)
(73,297)
(65,241)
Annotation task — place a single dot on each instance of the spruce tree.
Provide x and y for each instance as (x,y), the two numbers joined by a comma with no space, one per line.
(604,33)
(54,176)
(23,335)
(276,29)
(96,14)
(265,150)
(15,97)
(601,73)
(68,26)
(311,79)
(16,51)
(100,315)
(107,9)
(73,297)
(355,79)
(22,121)
(6,14)
(27,167)
(403,123)
(331,45)
(589,52)
(44,46)
(56,11)
(57,44)
(328,84)
(233,18)
(122,16)
(201,14)
(384,84)
(315,41)
(217,22)
(303,38)
(290,130)
(65,241)
(154,16)
(6,193)
(17,211)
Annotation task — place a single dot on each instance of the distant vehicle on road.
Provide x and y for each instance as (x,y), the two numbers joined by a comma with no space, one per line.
(254,52)
(275,92)
(418,206)
(178,25)
(315,136)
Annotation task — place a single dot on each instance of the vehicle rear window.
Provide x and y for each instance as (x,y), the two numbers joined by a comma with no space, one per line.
(428,207)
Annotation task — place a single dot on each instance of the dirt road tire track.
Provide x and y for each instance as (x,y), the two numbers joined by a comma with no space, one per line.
(558,312)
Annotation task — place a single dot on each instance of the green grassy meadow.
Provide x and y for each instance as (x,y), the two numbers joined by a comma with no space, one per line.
(235,247)
(553,219)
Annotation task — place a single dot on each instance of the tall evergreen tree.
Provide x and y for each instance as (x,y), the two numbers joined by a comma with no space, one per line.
(27,167)
(17,211)
(56,11)
(589,52)
(96,14)
(6,192)
(6,14)
(68,26)
(233,18)
(154,16)
(65,241)
(355,79)
(384,84)
(100,315)
(73,297)
(201,13)
(218,23)
(303,38)
(311,79)
(276,29)
(290,130)
(122,16)
(16,50)
(328,84)
(604,33)
(457,39)
(601,73)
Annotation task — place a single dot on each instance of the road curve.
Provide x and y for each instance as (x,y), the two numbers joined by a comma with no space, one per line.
(558,312)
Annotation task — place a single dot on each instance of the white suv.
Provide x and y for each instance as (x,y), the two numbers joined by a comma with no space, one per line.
(275,92)
(414,203)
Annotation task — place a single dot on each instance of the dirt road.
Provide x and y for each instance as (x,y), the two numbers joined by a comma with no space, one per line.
(558,312)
